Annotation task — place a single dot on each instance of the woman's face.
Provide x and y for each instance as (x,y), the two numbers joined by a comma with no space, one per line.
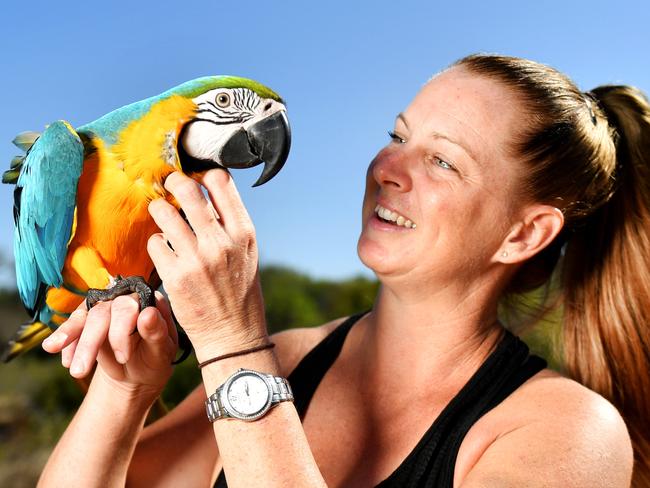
(448,171)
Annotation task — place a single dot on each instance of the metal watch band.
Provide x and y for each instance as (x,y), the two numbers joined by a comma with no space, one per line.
(280,392)
(280,388)
(213,407)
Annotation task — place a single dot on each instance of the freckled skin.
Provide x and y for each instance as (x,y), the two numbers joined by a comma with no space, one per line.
(462,206)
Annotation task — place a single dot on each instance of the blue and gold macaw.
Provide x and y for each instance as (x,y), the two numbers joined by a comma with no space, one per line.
(81,197)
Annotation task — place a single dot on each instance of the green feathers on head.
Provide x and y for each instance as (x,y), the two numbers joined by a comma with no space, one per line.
(199,86)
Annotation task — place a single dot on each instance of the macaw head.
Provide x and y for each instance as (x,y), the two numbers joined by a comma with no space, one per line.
(239,123)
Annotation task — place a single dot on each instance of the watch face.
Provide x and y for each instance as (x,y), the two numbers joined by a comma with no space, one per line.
(248,395)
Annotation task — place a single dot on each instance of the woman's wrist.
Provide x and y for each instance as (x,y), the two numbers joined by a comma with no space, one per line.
(221,345)
(136,396)
(215,374)
(229,335)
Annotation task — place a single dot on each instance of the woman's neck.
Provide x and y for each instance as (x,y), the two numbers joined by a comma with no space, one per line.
(442,336)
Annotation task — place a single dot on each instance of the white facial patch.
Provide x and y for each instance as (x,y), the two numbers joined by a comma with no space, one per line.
(221,113)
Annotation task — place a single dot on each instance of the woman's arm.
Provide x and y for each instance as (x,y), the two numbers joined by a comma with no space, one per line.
(97,446)
(176,450)
(210,272)
(272,451)
(180,448)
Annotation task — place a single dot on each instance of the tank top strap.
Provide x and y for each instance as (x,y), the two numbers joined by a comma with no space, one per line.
(309,372)
(432,461)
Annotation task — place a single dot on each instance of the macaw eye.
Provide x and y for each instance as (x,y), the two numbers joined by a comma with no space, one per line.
(223,100)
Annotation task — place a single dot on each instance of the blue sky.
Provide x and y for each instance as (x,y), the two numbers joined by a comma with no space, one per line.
(345,68)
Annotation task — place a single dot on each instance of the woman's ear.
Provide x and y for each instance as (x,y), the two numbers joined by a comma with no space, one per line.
(537,228)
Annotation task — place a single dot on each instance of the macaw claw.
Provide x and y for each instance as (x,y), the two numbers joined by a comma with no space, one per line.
(123,286)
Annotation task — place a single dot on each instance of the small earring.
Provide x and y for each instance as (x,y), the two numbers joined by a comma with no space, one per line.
(504,254)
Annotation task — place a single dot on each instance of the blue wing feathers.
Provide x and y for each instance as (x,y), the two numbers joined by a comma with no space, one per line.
(47,188)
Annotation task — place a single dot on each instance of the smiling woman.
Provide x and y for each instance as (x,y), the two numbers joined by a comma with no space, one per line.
(499,173)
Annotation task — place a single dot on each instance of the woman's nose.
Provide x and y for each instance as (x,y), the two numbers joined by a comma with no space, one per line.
(390,169)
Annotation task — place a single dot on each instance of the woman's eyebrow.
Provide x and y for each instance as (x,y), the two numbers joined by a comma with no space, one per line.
(400,116)
(439,135)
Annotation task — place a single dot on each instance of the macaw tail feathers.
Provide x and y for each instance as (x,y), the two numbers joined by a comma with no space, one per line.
(28,336)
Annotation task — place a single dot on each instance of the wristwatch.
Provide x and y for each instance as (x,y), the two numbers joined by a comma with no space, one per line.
(247,395)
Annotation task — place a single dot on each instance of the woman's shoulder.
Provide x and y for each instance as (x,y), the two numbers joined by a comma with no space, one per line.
(551,421)
(554,398)
(291,345)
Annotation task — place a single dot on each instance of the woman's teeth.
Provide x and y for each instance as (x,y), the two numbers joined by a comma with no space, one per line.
(394,217)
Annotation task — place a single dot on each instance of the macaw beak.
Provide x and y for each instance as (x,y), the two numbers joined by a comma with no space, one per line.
(265,141)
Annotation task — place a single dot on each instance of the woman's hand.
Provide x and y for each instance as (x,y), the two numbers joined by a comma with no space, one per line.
(137,361)
(209,267)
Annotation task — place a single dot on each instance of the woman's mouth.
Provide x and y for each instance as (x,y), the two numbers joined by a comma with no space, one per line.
(393,217)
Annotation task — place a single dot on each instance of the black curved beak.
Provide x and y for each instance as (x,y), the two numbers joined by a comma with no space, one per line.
(266,141)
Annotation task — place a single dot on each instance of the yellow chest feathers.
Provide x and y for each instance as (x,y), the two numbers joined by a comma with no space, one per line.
(119,181)
(146,148)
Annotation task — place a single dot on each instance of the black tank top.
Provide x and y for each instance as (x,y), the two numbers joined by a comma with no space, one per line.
(431,462)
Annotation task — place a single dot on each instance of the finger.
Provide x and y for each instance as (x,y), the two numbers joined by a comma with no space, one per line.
(68,353)
(161,255)
(92,337)
(199,211)
(67,332)
(124,315)
(226,200)
(162,304)
(157,346)
(176,230)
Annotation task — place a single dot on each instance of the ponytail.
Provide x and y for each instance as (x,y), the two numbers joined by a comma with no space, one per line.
(606,279)
(589,155)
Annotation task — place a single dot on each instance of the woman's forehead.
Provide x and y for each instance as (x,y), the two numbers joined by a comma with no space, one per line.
(477,111)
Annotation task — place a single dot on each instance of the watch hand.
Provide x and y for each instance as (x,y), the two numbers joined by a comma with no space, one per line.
(247,393)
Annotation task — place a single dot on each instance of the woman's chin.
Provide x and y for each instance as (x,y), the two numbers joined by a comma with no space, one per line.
(374,256)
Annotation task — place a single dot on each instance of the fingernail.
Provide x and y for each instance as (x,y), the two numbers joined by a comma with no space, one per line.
(119,357)
(77,367)
(55,339)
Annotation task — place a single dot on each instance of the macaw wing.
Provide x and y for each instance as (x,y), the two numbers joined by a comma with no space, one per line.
(44,207)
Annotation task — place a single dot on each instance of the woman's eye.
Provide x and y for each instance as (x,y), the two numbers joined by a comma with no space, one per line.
(395,137)
(443,164)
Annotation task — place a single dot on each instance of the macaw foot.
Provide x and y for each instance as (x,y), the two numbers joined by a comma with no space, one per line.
(123,286)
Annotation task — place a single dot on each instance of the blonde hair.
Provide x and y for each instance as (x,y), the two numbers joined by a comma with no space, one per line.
(589,155)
